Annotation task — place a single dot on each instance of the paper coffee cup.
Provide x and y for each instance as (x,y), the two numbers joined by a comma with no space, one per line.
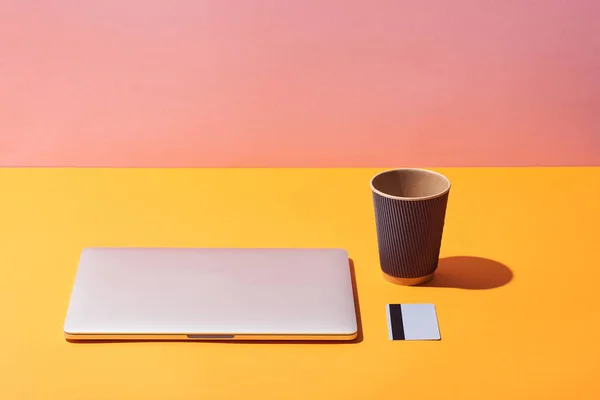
(410,209)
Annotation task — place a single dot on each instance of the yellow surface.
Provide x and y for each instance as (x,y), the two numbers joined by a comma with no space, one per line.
(534,337)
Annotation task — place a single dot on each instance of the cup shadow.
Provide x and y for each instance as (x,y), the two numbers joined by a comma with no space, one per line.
(358,339)
(472,273)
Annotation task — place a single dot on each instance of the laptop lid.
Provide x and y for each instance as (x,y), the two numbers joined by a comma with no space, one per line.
(196,294)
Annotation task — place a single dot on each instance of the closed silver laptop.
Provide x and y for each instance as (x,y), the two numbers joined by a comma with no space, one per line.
(212,294)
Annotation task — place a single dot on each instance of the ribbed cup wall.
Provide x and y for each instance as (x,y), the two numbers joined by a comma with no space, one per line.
(409,234)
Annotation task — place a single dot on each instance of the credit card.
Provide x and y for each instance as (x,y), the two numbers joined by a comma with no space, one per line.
(412,322)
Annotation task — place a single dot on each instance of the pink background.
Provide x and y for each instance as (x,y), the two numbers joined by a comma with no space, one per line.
(299,83)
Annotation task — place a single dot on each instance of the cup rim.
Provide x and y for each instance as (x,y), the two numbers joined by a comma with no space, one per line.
(433,196)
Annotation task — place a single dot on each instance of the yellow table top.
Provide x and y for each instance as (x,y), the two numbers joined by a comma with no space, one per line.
(518,309)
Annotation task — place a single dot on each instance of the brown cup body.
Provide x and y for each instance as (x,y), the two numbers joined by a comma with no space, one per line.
(410,210)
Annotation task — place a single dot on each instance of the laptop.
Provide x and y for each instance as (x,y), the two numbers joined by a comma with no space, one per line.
(212,294)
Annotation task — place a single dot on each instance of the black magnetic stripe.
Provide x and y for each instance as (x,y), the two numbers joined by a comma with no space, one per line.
(396,322)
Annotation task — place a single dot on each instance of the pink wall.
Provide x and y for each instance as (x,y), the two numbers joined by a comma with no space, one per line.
(299,83)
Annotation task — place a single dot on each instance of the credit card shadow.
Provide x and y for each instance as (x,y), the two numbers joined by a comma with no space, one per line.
(472,273)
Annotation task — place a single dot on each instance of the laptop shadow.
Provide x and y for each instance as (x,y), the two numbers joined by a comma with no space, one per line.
(358,339)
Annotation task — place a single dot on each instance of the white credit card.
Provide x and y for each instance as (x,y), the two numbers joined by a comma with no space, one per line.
(412,322)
